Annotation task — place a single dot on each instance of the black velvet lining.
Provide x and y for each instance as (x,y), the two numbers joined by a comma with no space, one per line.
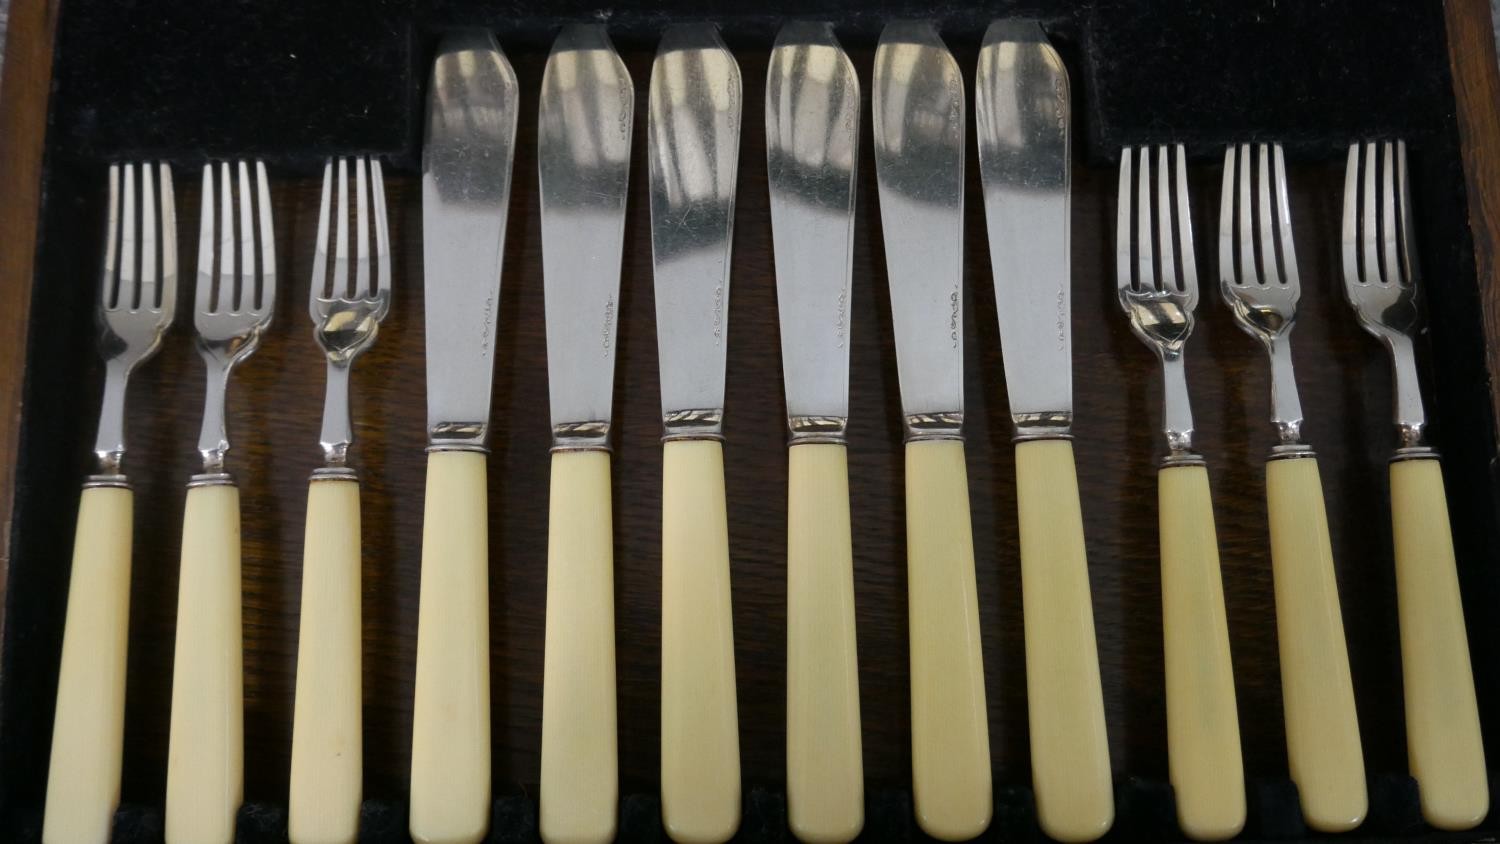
(294,82)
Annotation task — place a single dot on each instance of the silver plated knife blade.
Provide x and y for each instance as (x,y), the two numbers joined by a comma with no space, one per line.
(812,147)
(583,163)
(1022,109)
(693,136)
(466,162)
(919,167)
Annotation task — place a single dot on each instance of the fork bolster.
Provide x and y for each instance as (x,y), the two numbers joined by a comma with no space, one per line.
(1069,747)
(1322,727)
(450,757)
(83,780)
(1444,744)
(950,738)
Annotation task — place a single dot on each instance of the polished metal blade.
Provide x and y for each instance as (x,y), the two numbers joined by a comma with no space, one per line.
(812,146)
(1023,112)
(919,168)
(693,136)
(583,163)
(466,162)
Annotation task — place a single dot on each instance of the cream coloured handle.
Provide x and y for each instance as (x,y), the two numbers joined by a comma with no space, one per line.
(700,738)
(1322,729)
(1444,746)
(950,732)
(206,748)
(83,780)
(1203,728)
(580,786)
(1069,747)
(824,765)
(450,734)
(326,722)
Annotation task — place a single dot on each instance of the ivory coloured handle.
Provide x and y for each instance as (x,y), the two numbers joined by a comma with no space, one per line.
(824,765)
(580,787)
(700,740)
(206,748)
(326,785)
(1322,728)
(83,780)
(1203,729)
(950,733)
(1444,746)
(1069,747)
(450,735)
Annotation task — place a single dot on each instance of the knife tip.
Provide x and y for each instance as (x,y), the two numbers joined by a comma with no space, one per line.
(923,32)
(467,41)
(690,36)
(1017,30)
(583,36)
(798,32)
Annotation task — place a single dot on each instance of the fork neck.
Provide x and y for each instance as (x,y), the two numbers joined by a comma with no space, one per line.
(1411,418)
(1177,411)
(109,443)
(1286,406)
(338,433)
(213,438)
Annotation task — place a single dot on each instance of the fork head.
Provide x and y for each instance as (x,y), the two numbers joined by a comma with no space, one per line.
(1257,261)
(1154,226)
(237,293)
(1380,271)
(347,312)
(138,287)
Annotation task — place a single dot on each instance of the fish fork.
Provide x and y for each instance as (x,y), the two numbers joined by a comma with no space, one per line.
(137,299)
(346,314)
(1258,279)
(1444,745)
(232,307)
(1157,276)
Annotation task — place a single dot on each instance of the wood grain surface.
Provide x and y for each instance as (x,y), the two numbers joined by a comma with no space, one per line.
(276,398)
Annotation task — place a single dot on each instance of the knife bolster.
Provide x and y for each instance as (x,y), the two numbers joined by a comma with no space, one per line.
(703,423)
(1043,425)
(808,430)
(592,435)
(939,425)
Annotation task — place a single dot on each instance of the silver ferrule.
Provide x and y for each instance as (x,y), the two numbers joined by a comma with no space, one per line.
(210,479)
(693,424)
(458,436)
(816,429)
(334,473)
(1291,451)
(1286,406)
(1415,452)
(1043,425)
(581,436)
(943,425)
(338,433)
(1182,457)
(106,480)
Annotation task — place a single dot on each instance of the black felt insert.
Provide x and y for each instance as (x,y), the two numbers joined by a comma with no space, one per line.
(293,82)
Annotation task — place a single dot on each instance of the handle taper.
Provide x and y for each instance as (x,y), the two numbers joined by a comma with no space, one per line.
(206,748)
(824,764)
(700,739)
(1069,747)
(1203,727)
(83,780)
(1444,746)
(950,731)
(327,737)
(450,734)
(1322,728)
(580,788)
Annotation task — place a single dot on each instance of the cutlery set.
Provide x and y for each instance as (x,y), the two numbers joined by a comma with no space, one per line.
(586,120)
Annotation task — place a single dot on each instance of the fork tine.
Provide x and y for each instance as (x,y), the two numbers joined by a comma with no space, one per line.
(1270,269)
(361,230)
(1166,247)
(341,236)
(145,295)
(319,285)
(225,298)
(382,233)
(1145,259)
(1349,241)
(1226,218)
(1122,222)
(1248,274)
(1369,234)
(249,298)
(267,241)
(109,276)
(1391,270)
(203,291)
(1185,229)
(167,300)
(1408,265)
(129,269)
(1284,219)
